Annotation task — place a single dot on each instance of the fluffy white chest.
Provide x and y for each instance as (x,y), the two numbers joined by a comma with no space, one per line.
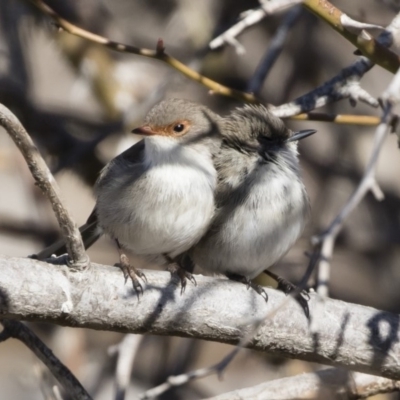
(168,208)
(258,230)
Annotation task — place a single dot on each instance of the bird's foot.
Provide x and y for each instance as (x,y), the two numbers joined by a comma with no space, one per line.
(133,273)
(242,279)
(182,274)
(288,287)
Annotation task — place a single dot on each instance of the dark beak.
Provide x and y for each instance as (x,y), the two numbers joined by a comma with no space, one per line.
(301,135)
(145,131)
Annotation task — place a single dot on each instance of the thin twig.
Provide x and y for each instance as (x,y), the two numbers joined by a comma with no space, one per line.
(249,18)
(46,182)
(64,376)
(366,43)
(327,239)
(157,54)
(126,350)
(343,85)
(349,119)
(274,50)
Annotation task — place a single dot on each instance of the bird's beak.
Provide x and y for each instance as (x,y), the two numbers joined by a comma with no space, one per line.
(301,135)
(145,131)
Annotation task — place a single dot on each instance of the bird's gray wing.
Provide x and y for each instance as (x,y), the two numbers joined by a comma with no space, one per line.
(133,155)
(91,231)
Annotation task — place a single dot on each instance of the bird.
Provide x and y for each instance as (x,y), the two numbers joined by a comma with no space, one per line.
(261,202)
(157,198)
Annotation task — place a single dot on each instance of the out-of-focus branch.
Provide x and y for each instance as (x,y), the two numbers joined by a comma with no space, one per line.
(249,18)
(331,383)
(343,85)
(46,182)
(71,385)
(349,119)
(126,351)
(327,239)
(349,335)
(158,54)
(274,50)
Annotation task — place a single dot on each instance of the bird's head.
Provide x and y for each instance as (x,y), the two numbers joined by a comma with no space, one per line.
(180,121)
(254,129)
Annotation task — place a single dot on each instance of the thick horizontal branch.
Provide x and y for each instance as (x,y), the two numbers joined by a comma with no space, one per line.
(348,335)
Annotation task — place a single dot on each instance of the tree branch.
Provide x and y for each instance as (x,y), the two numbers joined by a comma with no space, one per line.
(348,335)
(249,18)
(369,47)
(72,386)
(48,185)
(158,54)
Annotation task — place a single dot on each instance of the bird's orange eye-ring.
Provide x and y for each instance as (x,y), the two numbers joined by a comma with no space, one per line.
(178,128)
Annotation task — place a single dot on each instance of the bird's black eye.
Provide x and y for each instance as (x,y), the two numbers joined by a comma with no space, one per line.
(179,128)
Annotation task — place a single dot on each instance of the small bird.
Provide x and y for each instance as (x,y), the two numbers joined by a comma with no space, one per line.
(261,202)
(157,198)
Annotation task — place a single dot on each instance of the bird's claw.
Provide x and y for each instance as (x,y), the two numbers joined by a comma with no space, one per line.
(249,284)
(303,297)
(183,276)
(131,272)
(259,289)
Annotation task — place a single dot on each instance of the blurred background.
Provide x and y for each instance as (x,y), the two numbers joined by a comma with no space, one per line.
(79,102)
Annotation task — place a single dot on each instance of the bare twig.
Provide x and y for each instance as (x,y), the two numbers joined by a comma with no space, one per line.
(331,383)
(126,350)
(343,85)
(366,120)
(71,385)
(327,239)
(154,54)
(249,18)
(46,182)
(274,50)
(369,47)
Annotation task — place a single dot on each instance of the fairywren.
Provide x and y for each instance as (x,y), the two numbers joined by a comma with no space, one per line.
(261,202)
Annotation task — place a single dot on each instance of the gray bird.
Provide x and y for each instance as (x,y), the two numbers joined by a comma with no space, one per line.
(157,198)
(262,204)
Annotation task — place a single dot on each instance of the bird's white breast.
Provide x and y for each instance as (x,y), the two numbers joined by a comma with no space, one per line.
(254,233)
(170,206)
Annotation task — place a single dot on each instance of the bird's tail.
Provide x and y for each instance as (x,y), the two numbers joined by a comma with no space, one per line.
(90,232)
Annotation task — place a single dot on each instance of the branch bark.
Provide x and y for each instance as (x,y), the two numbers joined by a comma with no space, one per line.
(348,335)
(46,182)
